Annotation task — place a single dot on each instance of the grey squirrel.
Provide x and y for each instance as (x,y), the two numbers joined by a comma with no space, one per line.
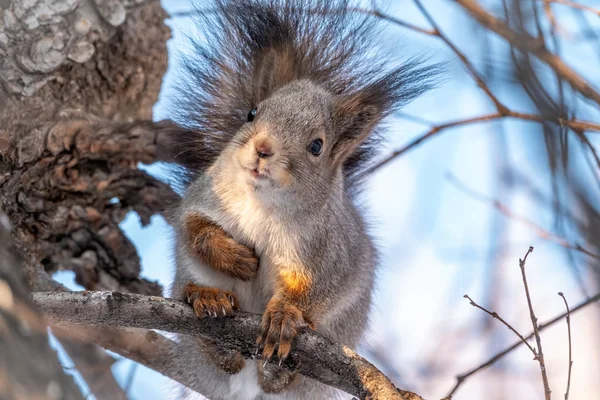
(280,112)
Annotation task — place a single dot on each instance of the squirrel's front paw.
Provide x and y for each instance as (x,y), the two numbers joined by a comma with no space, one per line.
(279,326)
(238,261)
(209,301)
(213,246)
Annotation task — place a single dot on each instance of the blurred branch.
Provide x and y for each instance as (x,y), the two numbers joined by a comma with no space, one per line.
(574,5)
(478,79)
(550,16)
(94,365)
(505,113)
(541,232)
(534,322)
(29,367)
(386,17)
(570,355)
(502,110)
(314,355)
(528,44)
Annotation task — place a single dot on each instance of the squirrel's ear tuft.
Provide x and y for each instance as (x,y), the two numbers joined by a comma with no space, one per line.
(369,100)
(355,118)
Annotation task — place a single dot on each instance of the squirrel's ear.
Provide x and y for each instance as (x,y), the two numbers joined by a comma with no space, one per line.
(355,118)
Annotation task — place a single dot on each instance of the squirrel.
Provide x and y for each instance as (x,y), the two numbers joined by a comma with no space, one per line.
(281,113)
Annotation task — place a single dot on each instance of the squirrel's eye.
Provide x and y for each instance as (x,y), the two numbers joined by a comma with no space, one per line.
(315,147)
(252,115)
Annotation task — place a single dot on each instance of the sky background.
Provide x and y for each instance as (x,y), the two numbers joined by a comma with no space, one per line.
(437,242)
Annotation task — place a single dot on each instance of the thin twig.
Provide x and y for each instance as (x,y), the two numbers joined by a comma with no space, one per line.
(389,18)
(461,379)
(534,323)
(499,318)
(506,113)
(570,353)
(480,82)
(541,232)
(575,5)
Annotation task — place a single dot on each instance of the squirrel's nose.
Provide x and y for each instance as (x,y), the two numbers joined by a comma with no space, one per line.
(263,149)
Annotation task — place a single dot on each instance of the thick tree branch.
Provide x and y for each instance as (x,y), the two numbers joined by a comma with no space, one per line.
(314,356)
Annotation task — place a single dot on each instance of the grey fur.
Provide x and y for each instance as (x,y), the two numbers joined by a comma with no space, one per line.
(314,215)
(300,213)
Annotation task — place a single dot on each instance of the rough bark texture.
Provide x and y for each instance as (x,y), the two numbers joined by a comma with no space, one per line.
(73,75)
(312,355)
(29,368)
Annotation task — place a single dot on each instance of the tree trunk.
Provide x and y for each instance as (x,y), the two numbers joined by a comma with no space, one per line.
(78,79)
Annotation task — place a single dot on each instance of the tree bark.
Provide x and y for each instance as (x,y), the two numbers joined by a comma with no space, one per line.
(313,355)
(74,75)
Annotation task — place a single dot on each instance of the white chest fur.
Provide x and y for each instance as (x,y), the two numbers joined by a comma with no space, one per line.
(245,217)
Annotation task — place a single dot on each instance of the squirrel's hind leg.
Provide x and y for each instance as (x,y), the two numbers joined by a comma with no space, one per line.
(229,361)
(275,379)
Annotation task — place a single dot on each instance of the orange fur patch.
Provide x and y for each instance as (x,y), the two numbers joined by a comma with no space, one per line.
(295,284)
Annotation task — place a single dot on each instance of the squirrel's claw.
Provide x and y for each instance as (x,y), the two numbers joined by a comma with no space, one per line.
(279,326)
(209,301)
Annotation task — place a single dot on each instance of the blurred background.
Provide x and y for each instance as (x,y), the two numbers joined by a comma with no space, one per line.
(453,214)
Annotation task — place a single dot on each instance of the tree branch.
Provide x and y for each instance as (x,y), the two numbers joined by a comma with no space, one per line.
(528,44)
(504,113)
(570,345)
(536,331)
(314,355)
(460,379)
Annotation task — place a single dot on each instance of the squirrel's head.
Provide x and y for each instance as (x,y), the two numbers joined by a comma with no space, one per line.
(310,78)
(301,135)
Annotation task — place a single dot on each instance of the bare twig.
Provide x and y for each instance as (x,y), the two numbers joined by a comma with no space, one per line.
(541,232)
(575,5)
(314,355)
(534,323)
(499,318)
(570,352)
(461,379)
(386,17)
(480,82)
(538,354)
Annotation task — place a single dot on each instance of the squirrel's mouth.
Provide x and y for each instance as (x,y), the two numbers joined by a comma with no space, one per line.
(257,174)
